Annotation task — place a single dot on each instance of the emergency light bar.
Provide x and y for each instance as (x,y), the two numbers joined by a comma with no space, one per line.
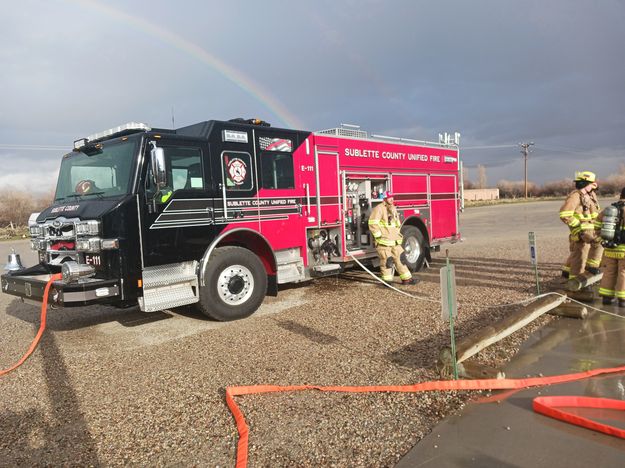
(130,127)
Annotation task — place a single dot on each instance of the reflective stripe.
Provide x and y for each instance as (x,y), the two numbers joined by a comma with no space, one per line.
(406,276)
(376,234)
(387,243)
(594,215)
(593,262)
(598,224)
(387,278)
(165,196)
(606,292)
(566,268)
(385,224)
(574,222)
(586,227)
(613,254)
(620,294)
(373,222)
(566,214)
(576,230)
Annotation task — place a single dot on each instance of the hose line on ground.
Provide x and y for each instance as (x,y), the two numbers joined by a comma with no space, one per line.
(42,327)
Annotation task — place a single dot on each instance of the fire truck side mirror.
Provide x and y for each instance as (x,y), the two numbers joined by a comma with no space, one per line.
(159,170)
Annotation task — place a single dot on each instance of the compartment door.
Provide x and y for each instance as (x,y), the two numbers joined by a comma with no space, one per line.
(328,190)
(444,205)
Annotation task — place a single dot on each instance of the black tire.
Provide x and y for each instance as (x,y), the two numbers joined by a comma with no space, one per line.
(235,284)
(415,248)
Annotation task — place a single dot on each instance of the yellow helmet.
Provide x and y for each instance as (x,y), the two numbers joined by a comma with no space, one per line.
(586,175)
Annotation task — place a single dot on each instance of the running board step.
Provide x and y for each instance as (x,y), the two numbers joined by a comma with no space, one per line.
(168,286)
(325,270)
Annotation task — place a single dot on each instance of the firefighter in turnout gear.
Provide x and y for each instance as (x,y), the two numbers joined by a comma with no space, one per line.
(610,226)
(579,213)
(384,225)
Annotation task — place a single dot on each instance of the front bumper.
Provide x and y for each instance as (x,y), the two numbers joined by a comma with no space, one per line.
(85,292)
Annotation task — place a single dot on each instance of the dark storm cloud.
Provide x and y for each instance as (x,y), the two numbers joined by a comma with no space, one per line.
(498,72)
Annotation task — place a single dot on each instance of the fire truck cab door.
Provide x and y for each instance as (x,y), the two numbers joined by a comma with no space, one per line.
(177,218)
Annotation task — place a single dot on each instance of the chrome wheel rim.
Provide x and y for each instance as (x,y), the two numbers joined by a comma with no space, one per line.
(235,284)
(412,249)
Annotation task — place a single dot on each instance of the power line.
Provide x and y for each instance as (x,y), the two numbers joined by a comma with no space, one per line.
(488,147)
(32,147)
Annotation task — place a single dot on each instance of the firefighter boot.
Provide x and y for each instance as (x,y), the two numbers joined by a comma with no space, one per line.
(565,274)
(410,281)
(607,300)
(621,302)
(593,270)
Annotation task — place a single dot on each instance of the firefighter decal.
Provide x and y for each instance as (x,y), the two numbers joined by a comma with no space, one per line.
(237,171)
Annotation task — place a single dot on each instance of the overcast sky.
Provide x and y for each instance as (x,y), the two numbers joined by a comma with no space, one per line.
(499,72)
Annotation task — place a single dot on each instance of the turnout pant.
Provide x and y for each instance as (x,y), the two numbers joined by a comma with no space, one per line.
(584,254)
(385,252)
(613,281)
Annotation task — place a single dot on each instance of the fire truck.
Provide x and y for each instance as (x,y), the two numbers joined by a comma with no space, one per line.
(220,213)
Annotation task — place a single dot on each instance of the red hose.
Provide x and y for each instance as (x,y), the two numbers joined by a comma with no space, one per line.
(42,326)
(548,407)
(486,384)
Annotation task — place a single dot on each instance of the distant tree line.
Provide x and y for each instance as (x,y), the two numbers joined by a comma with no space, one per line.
(611,185)
(16,207)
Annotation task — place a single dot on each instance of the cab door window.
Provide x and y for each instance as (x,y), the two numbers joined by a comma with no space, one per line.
(277,170)
(185,167)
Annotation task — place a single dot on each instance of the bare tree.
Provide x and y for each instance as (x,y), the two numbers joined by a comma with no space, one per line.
(18,205)
(468,185)
(482,181)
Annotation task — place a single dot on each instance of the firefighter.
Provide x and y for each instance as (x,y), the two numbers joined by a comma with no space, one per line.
(384,225)
(613,281)
(579,212)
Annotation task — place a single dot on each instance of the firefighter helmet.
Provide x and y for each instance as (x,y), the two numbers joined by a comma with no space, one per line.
(388,194)
(586,175)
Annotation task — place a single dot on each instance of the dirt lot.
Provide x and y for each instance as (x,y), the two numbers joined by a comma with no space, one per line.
(112,387)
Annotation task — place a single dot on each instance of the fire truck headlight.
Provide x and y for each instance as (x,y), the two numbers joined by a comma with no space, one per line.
(92,244)
(72,271)
(110,244)
(35,230)
(87,228)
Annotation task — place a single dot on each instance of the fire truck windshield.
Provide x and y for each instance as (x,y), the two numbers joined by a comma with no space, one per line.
(104,170)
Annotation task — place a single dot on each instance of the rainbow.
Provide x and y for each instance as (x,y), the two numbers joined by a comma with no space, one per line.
(175,40)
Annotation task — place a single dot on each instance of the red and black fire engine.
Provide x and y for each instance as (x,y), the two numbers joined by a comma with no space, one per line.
(220,213)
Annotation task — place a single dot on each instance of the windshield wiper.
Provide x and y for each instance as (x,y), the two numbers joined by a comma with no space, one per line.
(99,194)
(77,196)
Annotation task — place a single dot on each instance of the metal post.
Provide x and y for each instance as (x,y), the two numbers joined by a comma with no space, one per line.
(534,259)
(525,152)
(451,315)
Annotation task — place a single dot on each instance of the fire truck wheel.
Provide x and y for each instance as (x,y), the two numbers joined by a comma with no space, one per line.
(414,247)
(235,284)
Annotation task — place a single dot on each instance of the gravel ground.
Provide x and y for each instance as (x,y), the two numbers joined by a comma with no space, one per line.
(95,395)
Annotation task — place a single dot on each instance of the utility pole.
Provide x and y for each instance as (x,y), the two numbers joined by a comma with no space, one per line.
(525,151)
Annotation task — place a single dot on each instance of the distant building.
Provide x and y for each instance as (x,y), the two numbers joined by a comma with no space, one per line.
(481,194)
